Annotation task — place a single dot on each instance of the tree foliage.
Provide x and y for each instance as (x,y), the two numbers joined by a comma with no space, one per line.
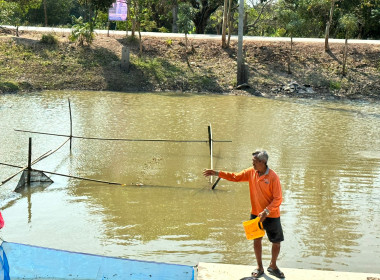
(303,18)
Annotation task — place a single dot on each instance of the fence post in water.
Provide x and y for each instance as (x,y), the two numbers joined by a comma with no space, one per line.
(29,159)
(125,58)
(71,125)
(210,146)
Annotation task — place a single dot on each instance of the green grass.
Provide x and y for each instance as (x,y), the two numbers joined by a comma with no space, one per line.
(335,85)
(158,68)
(9,87)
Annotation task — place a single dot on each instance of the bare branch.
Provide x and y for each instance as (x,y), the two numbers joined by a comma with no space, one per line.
(259,16)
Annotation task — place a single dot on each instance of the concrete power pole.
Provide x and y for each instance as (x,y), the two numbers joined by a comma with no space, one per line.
(241,71)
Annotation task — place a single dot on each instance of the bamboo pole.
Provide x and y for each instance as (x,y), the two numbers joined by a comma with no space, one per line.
(29,159)
(10,165)
(71,125)
(210,140)
(210,146)
(125,139)
(79,178)
(52,152)
(216,182)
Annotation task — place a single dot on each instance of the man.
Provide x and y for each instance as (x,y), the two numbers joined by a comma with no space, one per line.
(266,197)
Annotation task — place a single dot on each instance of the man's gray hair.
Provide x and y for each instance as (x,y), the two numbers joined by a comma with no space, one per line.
(261,155)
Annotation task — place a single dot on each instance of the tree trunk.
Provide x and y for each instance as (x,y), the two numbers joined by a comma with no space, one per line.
(328,25)
(186,42)
(203,15)
(128,17)
(140,40)
(224,25)
(229,23)
(133,27)
(45,14)
(327,35)
(175,17)
(290,55)
(345,56)
(240,59)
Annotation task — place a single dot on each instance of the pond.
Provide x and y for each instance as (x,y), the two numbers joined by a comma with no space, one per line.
(326,153)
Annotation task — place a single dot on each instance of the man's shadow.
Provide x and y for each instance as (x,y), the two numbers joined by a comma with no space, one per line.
(262,277)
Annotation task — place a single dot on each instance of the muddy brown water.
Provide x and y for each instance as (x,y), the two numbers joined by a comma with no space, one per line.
(326,153)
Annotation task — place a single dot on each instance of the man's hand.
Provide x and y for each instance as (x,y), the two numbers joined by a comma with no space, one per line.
(263,215)
(209,172)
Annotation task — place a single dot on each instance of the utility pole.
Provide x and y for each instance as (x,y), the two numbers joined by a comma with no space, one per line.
(241,75)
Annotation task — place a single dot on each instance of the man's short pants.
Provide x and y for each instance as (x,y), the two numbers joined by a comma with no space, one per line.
(273,229)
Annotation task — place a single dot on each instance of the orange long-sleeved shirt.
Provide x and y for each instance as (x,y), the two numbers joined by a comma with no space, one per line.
(265,191)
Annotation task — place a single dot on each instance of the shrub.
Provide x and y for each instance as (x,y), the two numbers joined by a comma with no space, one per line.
(6,87)
(81,32)
(163,30)
(49,39)
(169,42)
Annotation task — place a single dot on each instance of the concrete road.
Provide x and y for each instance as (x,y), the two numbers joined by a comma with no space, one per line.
(196,36)
(213,271)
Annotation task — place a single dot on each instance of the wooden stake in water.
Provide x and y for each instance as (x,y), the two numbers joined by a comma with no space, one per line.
(71,125)
(210,146)
(210,141)
(29,159)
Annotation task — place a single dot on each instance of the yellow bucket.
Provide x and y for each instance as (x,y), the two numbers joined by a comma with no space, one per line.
(253,229)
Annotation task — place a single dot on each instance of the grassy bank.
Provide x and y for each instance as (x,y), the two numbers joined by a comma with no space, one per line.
(28,64)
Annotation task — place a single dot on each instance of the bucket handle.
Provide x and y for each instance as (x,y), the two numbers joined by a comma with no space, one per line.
(260,225)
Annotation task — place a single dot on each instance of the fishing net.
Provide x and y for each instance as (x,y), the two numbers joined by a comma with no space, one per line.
(36,178)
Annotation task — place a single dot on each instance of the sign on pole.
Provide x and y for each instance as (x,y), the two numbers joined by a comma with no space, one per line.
(118,11)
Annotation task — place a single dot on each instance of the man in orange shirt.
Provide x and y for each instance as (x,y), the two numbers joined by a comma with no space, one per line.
(266,197)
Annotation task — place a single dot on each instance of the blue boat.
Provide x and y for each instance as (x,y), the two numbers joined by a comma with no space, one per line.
(20,261)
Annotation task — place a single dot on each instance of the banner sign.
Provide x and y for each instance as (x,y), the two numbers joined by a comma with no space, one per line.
(118,11)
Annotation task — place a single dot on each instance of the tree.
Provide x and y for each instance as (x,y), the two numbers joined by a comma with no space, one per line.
(83,30)
(230,19)
(13,12)
(227,24)
(185,14)
(328,24)
(260,18)
(349,23)
(9,14)
(141,17)
(204,9)
(224,27)
(175,16)
(53,12)
(92,8)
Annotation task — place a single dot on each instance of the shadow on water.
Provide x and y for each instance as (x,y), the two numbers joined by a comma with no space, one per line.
(343,110)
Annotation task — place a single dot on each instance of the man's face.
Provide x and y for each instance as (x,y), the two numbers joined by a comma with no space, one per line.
(257,164)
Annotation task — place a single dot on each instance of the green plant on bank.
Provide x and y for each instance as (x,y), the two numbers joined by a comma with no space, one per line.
(335,85)
(169,42)
(49,39)
(81,32)
(8,87)
(161,70)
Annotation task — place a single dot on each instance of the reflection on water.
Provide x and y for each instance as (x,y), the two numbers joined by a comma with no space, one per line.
(327,155)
